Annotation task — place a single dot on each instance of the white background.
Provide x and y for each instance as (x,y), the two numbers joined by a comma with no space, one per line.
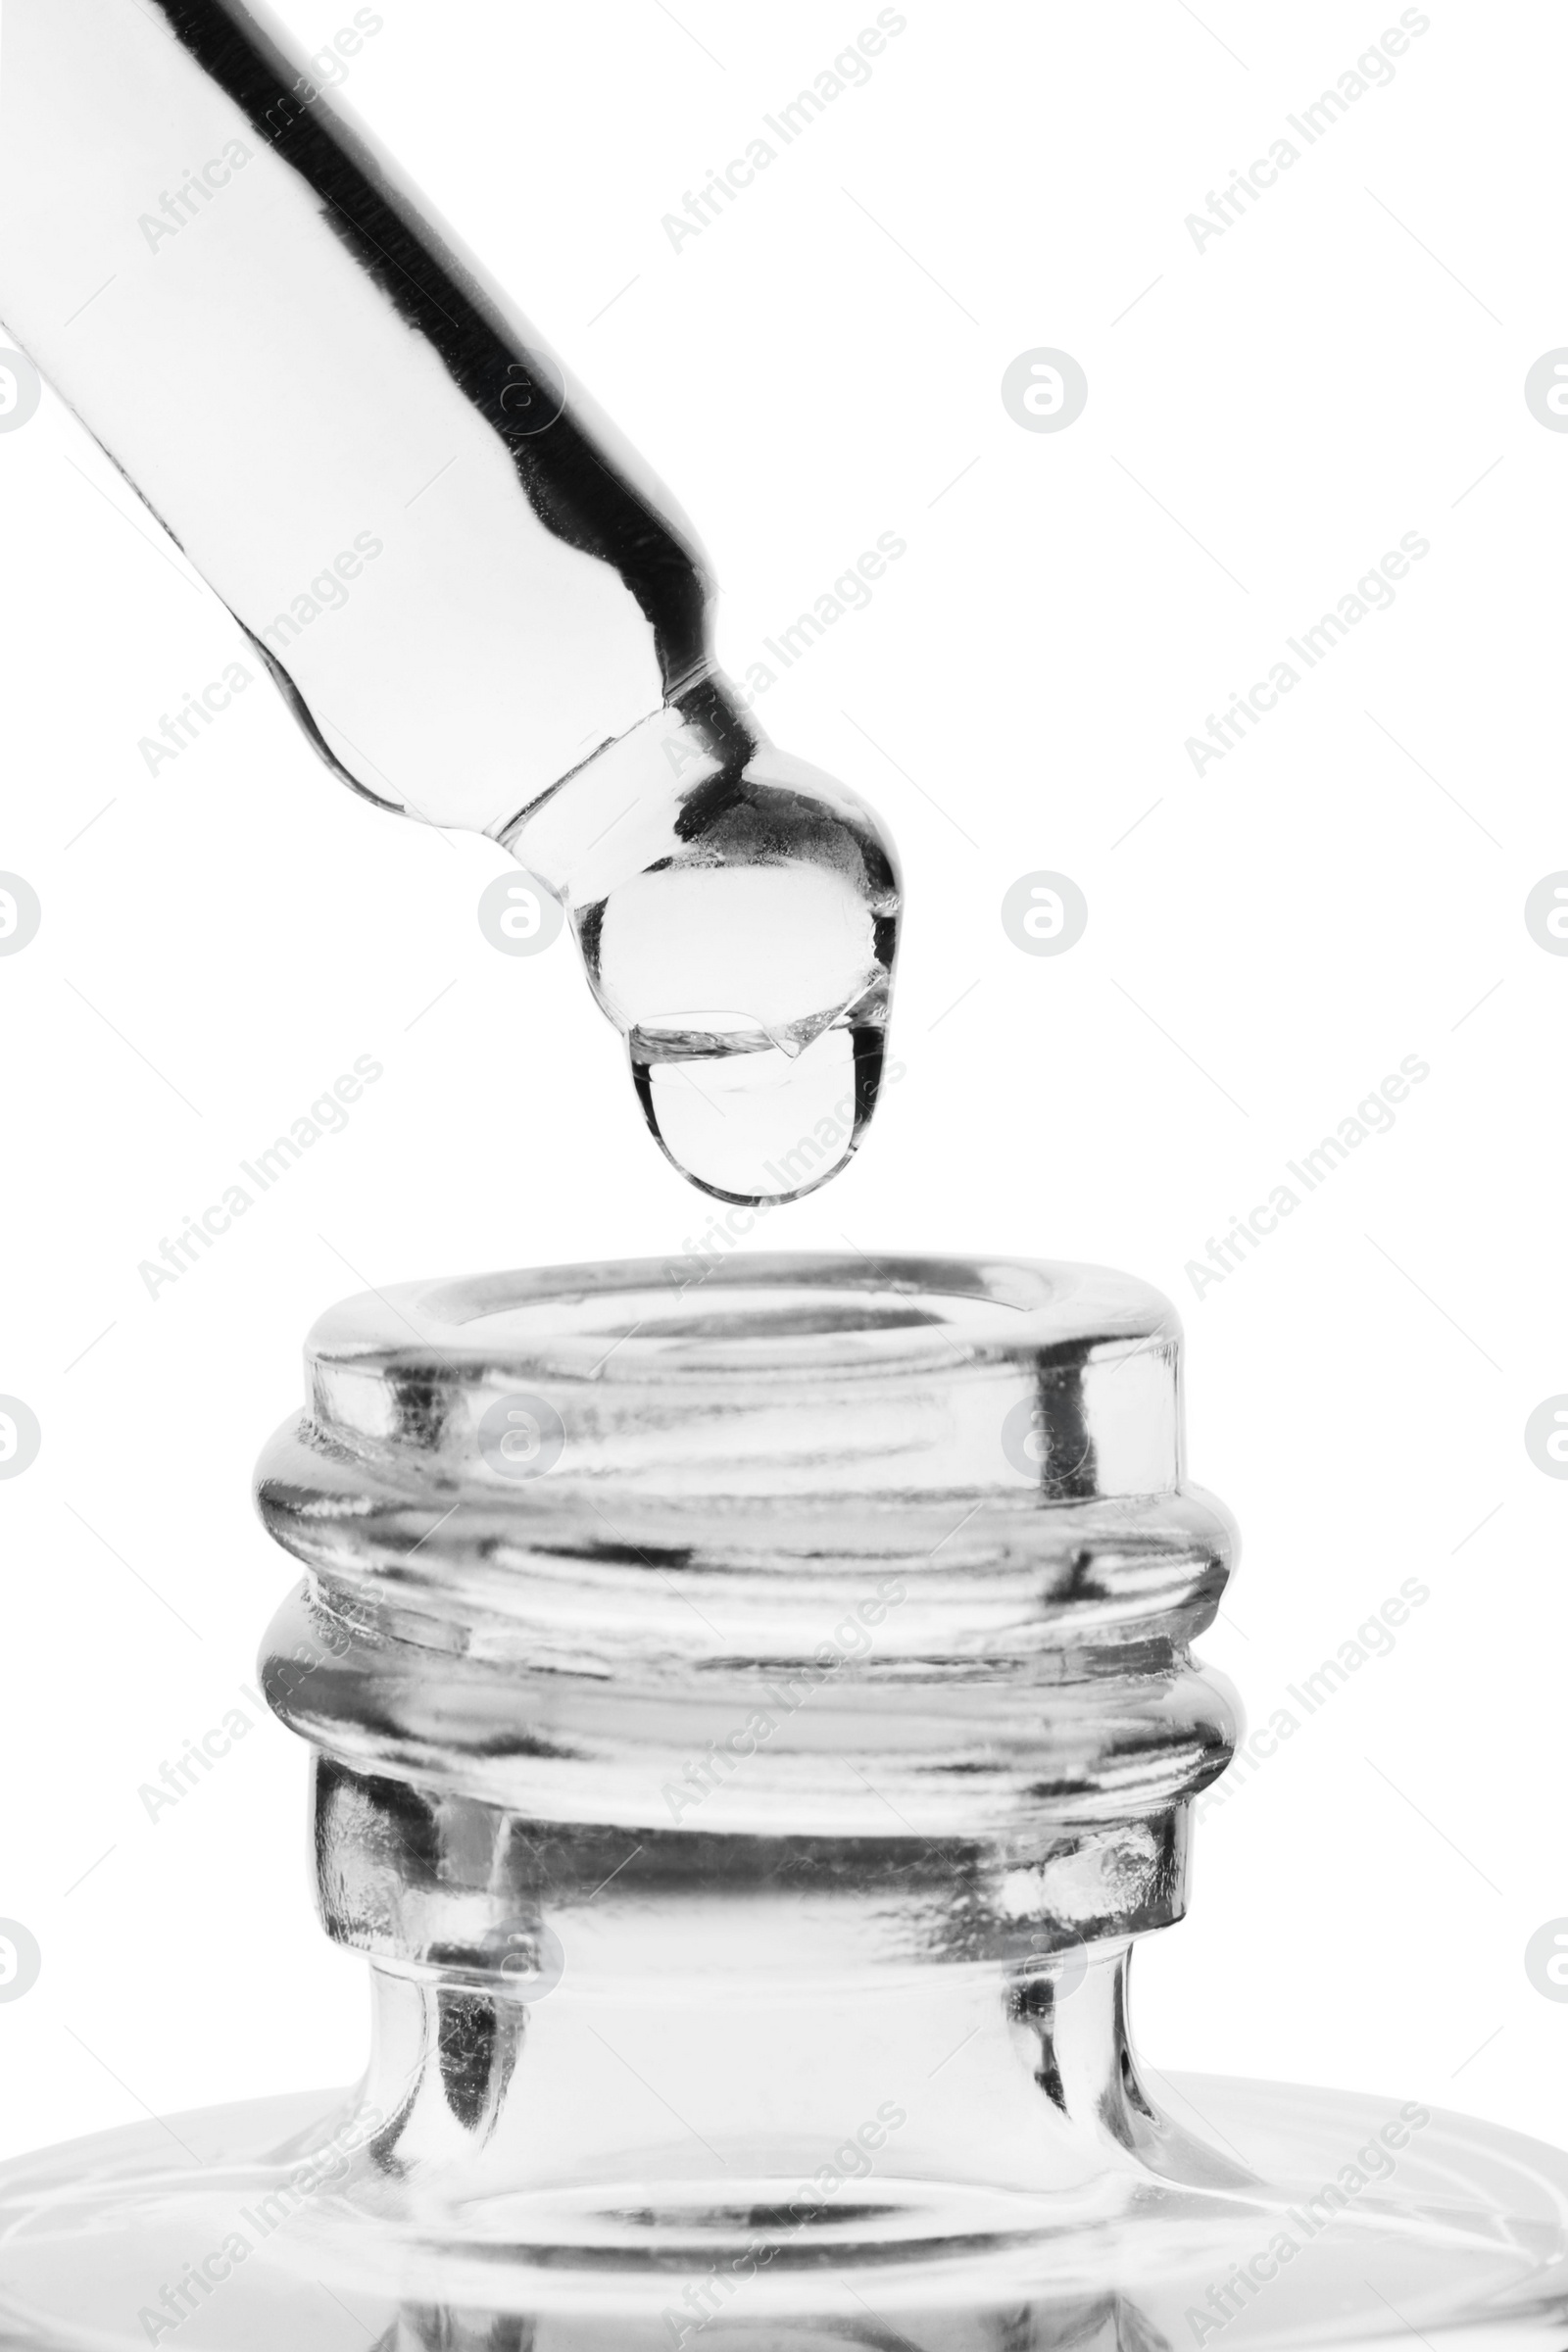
(1270,415)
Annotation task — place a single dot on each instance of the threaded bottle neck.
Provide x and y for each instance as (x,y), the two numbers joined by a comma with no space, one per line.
(816,1565)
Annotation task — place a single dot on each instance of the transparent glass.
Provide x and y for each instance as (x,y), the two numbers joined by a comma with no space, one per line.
(479,604)
(753,1721)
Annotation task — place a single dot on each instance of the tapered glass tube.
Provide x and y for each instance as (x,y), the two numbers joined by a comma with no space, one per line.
(482,608)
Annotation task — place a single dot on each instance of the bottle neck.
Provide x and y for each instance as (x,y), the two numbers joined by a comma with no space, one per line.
(748,1815)
(607,2038)
(793,2095)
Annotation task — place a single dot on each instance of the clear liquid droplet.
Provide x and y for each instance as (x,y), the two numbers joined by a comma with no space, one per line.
(760,1124)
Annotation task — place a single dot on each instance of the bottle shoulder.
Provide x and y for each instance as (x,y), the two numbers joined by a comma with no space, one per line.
(1330,2220)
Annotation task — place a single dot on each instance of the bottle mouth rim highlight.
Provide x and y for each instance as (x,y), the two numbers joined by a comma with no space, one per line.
(753,1299)
(801,1377)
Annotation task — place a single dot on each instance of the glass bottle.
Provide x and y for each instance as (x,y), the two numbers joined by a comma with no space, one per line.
(479,604)
(753,1721)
